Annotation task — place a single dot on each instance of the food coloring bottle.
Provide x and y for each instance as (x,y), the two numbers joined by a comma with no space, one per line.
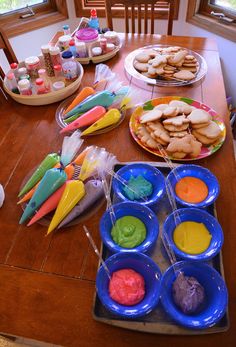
(93,21)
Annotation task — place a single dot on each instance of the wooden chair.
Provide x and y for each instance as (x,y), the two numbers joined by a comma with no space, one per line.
(139,9)
(7,49)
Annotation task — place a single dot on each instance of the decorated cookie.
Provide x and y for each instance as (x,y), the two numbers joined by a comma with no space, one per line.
(198,117)
(212,130)
(150,116)
(143,67)
(159,133)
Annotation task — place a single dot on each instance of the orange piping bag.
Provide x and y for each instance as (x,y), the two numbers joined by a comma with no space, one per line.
(72,194)
(49,205)
(83,94)
(87,118)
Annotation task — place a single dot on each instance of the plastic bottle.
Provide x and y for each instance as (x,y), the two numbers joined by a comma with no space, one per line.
(81,49)
(58,85)
(14,69)
(66,29)
(69,66)
(72,47)
(43,76)
(57,71)
(12,83)
(25,87)
(47,60)
(55,55)
(63,42)
(93,21)
(40,86)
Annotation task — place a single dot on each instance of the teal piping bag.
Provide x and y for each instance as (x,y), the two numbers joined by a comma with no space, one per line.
(104,98)
(51,181)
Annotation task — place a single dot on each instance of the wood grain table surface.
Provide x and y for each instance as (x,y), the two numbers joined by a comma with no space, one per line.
(47,284)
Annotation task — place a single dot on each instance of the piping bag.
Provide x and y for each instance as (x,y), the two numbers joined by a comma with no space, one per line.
(94,191)
(48,163)
(73,193)
(87,118)
(51,181)
(83,94)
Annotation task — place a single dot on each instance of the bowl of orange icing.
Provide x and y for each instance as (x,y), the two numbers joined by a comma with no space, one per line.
(193,186)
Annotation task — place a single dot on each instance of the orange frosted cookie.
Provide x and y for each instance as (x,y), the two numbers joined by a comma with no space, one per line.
(191,189)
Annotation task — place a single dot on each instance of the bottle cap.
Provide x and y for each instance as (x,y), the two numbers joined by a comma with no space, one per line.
(22,71)
(10,75)
(65,27)
(66,55)
(57,67)
(58,85)
(71,43)
(23,84)
(39,81)
(93,12)
(54,50)
(32,60)
(64,39)
(41,72)
(45,48)
(14,65)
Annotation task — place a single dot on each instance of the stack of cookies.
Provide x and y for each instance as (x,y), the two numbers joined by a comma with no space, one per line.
(169,63)
(180,128)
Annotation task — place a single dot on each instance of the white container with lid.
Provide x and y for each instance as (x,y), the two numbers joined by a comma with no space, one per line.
(111,36)
(25,87)
(58,85)
(33,65)
(63,42)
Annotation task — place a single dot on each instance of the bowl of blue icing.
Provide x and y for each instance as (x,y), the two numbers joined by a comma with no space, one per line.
(139,182)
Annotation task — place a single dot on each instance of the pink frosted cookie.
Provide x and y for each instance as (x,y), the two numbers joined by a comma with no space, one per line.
(127,287)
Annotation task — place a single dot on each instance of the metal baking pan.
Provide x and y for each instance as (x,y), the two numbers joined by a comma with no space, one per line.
(158,321)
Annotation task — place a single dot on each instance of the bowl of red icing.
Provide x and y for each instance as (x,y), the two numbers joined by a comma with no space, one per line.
(133,289)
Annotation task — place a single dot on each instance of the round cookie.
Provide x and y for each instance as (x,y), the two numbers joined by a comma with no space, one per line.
(142,57)
(184,75)
(142,67)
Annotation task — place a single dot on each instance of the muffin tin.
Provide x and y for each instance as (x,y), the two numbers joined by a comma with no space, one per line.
(158,321)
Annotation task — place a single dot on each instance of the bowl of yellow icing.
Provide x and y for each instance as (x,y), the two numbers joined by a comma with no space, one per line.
(193,234)
(129,227)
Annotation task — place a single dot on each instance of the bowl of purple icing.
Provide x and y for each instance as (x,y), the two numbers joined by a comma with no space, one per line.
(194,295)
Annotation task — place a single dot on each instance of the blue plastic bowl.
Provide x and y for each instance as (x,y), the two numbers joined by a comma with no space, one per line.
(151,174)
(140,263)
(215,290)
(198,172)
(200,216)
(145,214)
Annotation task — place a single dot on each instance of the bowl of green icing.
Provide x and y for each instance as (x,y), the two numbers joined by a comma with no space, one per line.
(139,182)
(132,227)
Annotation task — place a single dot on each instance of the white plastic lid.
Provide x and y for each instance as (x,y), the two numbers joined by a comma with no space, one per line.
(22,71)
(96,51)
(54,50)
(64,39)
(110,34)
(45,48)
(58,85)
(41,72)
(24,84)
(32,60)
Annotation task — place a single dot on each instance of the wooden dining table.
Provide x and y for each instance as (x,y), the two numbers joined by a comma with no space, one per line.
(47,284)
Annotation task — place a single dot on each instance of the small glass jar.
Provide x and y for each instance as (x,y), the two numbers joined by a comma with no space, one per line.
(22,71)
(55,55)
(96,51)
(69,66)
(63,42)
(12,83)
(112,37)
(57,71)
(33,65)
(72,47)
(58,85)
(81,49)
(25,87)
(40,86)
(24,77)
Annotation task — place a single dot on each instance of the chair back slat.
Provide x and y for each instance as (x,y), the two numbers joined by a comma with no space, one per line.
(145,18)
(139,19)
(141,10)
(7,49)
